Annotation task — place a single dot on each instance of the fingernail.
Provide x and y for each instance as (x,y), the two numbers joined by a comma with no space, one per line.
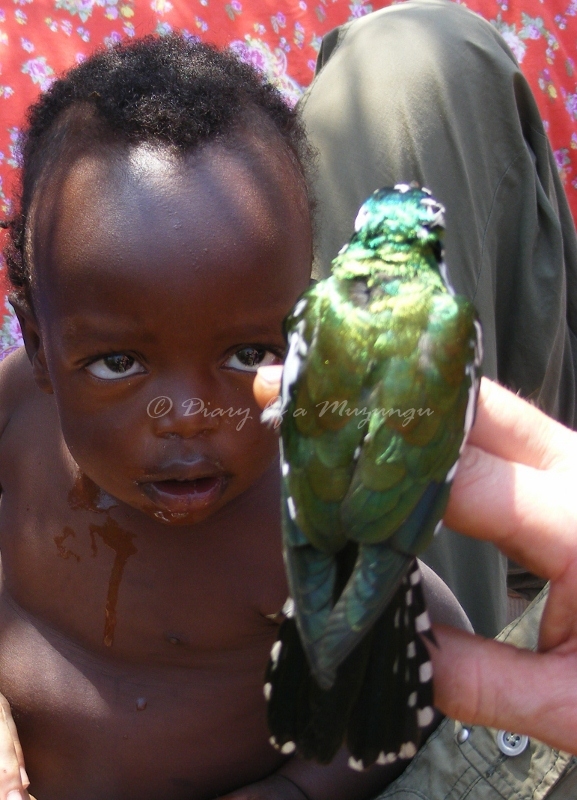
(14,795)
(24,778)
(270,375)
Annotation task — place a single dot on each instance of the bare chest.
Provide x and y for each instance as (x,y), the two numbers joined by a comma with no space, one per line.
(92,728)
(133,658)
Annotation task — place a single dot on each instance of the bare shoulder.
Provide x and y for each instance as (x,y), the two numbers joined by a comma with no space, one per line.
(17,385)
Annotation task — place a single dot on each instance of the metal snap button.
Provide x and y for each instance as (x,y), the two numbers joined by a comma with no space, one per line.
(463,735)
(512,744)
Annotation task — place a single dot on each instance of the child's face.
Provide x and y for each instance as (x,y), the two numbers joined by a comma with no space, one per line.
(161,286)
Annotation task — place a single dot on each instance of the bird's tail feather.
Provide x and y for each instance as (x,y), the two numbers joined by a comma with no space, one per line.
(301,714)
(381,700)
(394,705)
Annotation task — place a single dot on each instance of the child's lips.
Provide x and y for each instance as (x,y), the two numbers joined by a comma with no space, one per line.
(183,497)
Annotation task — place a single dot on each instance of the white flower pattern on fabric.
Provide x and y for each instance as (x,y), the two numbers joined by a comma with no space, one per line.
(272,64)
(10,333)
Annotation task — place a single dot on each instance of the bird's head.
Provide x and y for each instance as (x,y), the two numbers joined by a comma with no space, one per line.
(405,214)
(402,227)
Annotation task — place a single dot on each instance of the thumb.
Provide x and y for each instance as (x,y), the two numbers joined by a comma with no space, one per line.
(266,385)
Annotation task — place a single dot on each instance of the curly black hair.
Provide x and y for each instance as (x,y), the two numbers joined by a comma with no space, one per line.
(170,90)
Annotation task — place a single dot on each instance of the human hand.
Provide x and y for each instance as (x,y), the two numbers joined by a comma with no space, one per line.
(13,778)
(515,486)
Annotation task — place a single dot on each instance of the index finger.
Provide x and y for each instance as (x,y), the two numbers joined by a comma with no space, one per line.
(514,430)
(527,513)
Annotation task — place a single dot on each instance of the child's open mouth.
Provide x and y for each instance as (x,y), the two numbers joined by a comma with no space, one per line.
(185,496)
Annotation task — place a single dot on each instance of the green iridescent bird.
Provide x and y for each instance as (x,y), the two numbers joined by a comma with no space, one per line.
(378,393)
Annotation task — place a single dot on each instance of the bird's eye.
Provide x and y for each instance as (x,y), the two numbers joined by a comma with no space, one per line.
(115,366)
(249,359)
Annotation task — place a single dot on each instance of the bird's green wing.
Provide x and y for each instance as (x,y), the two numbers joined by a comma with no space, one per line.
(421,409)
(318,447)
(368,455)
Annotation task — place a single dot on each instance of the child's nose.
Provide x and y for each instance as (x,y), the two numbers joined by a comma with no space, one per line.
(183,415)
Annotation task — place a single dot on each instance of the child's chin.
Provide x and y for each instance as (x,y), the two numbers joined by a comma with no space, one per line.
(183,502)
(172,519)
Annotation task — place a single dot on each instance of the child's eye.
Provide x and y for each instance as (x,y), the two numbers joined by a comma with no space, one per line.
(117,365)
(249,359)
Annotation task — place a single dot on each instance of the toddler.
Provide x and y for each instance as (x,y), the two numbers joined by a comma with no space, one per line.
(163,234)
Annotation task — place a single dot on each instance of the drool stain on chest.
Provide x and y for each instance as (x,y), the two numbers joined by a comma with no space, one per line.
(63,551)
(86,495)
(120,541)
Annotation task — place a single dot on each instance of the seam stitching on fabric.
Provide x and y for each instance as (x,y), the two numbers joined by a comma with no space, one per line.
(489,216)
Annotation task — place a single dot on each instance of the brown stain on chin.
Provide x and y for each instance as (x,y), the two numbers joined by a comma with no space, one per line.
(120,541)
(86,495)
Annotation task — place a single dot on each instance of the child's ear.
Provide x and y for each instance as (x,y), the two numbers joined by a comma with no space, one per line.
(33,343)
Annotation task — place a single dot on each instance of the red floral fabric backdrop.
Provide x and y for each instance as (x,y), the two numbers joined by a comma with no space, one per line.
(41,38)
